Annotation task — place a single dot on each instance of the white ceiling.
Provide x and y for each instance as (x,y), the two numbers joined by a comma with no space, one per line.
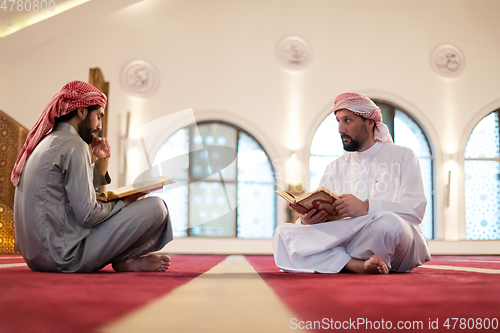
(12,19)
(24,31)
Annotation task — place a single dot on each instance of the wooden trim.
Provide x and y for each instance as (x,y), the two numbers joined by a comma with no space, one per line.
(96,78)
(13,136)
(13,120)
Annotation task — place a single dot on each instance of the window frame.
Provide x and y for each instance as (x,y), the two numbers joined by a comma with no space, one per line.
(190,178)
(495,159)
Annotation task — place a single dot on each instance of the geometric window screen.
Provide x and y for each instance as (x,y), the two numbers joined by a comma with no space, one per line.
(482,180)
(243,205)
(408,133)
(327,146)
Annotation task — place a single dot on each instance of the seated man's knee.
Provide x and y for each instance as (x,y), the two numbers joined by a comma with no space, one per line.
(159,207)
(278,230)
(394,224)
(387,223)
(282,225)
(392,219)
(283,229)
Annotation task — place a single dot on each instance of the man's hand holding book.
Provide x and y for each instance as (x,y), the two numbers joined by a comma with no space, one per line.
(314,207)
(310,217)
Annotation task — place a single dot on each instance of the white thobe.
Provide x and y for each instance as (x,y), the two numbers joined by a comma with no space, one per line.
(389,177)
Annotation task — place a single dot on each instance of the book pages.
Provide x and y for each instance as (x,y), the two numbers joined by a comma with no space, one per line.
(286,195)
(144,186)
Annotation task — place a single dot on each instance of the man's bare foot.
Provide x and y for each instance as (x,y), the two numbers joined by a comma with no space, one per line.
(148,263)
(374,265)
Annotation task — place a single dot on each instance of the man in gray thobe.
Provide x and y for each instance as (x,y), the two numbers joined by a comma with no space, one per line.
(59,224)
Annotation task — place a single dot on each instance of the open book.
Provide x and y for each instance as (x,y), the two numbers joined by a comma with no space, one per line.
(321,199)
(145,186)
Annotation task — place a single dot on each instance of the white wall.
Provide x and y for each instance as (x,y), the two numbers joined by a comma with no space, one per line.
(220,55)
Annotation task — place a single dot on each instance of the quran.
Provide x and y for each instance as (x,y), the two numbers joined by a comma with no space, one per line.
(145,186)
(321,199)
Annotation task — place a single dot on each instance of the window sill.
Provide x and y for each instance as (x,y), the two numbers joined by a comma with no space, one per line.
(221,246)
(465,247)
(198,245)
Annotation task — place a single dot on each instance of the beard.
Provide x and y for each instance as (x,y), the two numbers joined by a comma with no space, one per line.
(85,130)
(352,145)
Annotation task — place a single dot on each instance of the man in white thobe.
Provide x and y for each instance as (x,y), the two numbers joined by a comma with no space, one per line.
(382,203)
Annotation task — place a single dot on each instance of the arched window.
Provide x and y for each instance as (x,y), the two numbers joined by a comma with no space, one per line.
(326,146)
(482,180)
(234,199)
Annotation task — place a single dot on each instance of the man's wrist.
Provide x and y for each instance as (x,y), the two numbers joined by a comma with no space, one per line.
(105,158)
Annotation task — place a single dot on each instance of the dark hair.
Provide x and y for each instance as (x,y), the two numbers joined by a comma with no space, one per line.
(374,123)
(69,116)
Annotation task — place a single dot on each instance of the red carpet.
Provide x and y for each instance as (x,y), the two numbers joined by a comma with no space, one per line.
(51,302)
(416,299)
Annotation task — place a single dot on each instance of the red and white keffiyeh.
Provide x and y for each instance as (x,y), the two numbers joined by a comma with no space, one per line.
(364,107)
(74,95)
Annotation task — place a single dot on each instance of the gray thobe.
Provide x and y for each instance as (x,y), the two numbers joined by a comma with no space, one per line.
(59,224)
